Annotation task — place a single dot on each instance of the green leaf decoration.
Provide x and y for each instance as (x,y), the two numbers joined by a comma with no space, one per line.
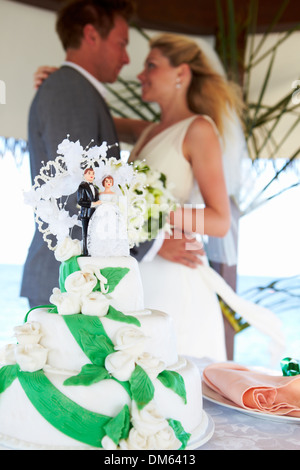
(7,375)
(89,374)
(65,269)
(180,433)
(96,347)
(119,426)
(83,326)
(114,314)
(174,381)
(142,388)
(61,412)
(113,276)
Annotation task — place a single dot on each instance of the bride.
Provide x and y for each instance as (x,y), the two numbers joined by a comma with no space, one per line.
(186,146)
(107,229)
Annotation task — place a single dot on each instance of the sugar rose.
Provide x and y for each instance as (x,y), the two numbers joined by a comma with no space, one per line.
(66,303)
(67,249)
(130,340)
(94,304)
(30,357)
(29,333)
(80,283)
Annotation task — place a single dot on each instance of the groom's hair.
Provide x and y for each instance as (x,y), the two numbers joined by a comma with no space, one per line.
(75,14)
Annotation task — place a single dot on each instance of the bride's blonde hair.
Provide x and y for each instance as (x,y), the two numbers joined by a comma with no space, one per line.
(209,93)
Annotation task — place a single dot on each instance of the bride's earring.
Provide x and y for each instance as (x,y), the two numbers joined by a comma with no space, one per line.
(178,83)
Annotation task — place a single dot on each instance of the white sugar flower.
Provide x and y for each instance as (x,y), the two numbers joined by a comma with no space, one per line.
(108,444)
(148,420)
(30,357)
(120,365)
(151,365)
(164,439)
(81,283)
(135,441)
(92,269)
(94,304)
(130,339)
(67,249)
(66,303)
(29,333)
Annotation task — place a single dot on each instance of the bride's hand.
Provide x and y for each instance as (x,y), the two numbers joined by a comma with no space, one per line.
(182,249)
(41,74)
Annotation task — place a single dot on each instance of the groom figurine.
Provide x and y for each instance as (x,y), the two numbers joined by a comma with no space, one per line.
(88,199)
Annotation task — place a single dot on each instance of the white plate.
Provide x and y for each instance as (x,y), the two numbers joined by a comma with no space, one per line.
(197,440)
(214,397)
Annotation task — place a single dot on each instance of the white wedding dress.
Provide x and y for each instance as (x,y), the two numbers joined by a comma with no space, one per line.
(107,229)
(190,295)
(171,287)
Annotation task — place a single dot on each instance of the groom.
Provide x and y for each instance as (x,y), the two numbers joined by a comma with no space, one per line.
(88,199)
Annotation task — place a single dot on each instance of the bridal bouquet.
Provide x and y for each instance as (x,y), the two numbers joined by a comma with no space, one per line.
(157,199)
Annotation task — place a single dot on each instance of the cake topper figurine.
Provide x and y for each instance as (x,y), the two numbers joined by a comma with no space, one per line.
(107,233)
(87,199)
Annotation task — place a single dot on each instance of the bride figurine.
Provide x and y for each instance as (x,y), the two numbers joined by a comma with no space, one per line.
(107,230)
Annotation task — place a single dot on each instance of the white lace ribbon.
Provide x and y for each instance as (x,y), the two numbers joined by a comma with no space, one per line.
(259,317)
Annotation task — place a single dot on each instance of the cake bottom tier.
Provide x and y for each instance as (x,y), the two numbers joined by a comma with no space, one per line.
(37,411)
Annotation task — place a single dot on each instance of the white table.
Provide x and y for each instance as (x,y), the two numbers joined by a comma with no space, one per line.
(237,431)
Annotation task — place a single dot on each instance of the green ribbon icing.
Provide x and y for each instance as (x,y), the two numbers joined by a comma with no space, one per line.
(60,411)
(290,367)
(7,375)
(89,333)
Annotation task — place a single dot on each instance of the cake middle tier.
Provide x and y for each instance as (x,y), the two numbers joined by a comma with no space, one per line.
(65,353)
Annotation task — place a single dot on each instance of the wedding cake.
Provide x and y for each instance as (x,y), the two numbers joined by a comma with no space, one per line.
(95,369)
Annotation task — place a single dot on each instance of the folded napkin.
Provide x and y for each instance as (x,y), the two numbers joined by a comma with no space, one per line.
(254,390)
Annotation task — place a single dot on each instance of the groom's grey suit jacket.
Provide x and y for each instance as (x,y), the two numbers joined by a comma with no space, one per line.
(66,103)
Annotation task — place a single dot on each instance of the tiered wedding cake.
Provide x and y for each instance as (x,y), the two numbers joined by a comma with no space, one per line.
(95,369)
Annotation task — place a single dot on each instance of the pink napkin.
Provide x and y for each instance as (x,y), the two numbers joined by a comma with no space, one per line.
(253,390)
